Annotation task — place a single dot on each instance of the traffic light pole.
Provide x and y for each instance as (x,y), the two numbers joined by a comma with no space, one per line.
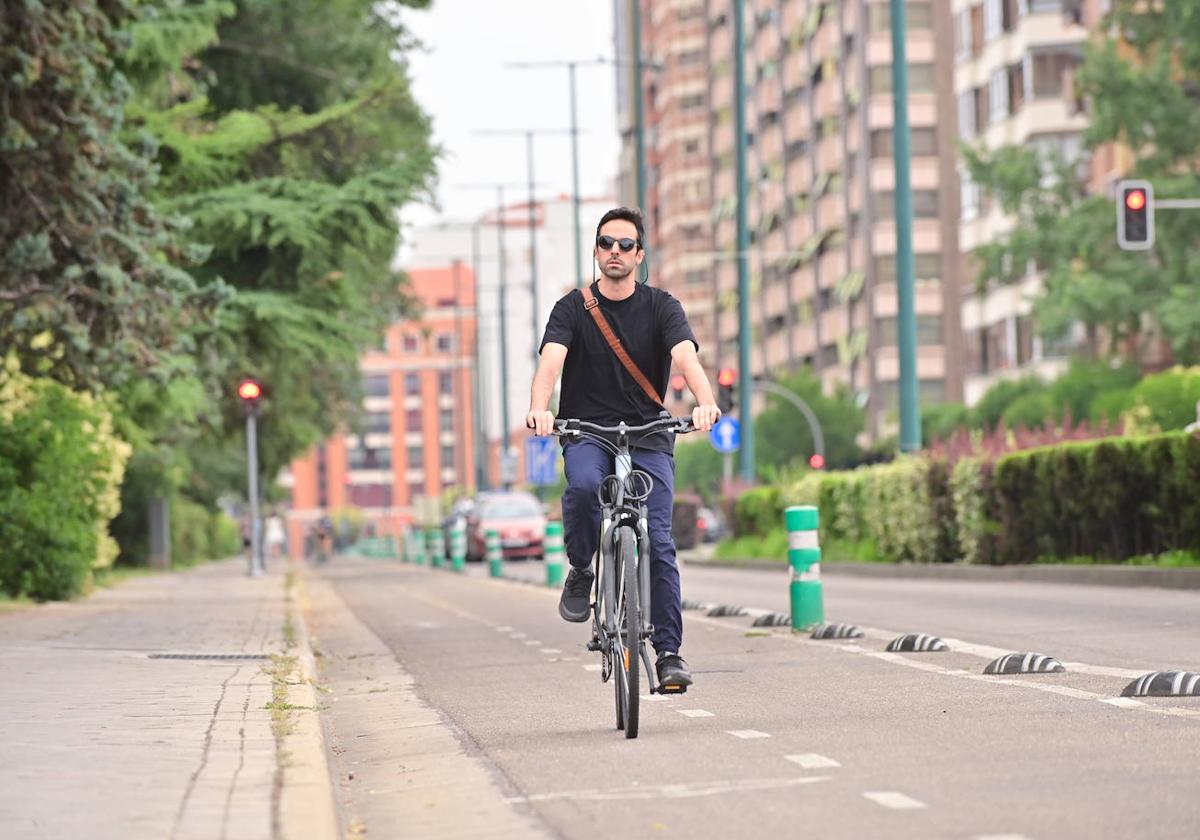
(906,319)
(743,244)
(256,559)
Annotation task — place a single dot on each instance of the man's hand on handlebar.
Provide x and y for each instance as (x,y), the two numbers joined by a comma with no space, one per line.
(705,416)
(542,422)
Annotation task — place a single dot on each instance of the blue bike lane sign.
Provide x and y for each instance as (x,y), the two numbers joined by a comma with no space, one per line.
(726,436)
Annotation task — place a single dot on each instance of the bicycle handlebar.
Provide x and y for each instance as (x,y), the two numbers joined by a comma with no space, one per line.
(679,425)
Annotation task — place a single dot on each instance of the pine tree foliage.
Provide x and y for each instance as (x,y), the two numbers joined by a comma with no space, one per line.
(91,290)
(1141,84)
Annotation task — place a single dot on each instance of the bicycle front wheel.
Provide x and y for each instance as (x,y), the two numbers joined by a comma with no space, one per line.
(629,632)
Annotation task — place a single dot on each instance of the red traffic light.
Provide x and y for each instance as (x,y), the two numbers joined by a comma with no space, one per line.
(817,461)
(727,377)
(1135,199)
(248,390)
(678,383)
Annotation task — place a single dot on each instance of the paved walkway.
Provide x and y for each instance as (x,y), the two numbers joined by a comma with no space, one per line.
(100,738)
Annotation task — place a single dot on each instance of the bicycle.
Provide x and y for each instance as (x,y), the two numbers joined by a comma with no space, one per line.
(620,612)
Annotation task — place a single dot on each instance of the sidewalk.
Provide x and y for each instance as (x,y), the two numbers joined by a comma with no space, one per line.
(100,740)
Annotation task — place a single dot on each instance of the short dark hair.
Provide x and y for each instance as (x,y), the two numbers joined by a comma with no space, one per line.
(628,214)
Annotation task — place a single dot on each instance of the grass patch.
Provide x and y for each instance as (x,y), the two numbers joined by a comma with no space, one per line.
(773,546)
(10,604)
(116,575)
(1167,560)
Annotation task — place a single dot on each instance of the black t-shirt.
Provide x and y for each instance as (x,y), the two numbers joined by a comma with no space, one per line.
(595,385)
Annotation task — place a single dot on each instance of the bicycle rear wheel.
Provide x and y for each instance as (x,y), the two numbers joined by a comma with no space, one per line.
(629,631)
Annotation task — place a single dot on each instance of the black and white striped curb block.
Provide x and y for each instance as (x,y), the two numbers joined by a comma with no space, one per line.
(837,631)
(1164,684)
(696,605)
(917,642)
(1024,663)
(726,611)
(773,620)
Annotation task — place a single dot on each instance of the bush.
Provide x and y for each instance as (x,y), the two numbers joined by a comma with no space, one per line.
(758,511)
(970,489)
(60,469)
(1167,400)
(1108,499)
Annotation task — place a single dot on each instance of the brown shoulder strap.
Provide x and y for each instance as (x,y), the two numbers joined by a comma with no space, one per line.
(593,306)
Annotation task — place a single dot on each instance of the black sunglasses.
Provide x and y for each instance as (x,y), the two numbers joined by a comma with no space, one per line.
(605,243)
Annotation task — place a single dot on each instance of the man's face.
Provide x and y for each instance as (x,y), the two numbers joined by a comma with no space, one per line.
(614,262)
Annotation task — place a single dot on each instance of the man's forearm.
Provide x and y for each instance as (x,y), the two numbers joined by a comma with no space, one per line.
(543,387)
(697,380)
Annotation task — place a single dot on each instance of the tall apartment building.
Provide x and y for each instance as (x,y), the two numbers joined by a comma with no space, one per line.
(678,190)
(417,434)
(1014,61)
(821,180)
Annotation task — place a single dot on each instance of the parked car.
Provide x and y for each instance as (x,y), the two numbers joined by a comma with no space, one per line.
(709,525)
(519,518)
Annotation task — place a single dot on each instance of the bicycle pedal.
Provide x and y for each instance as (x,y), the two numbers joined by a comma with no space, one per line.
(594,645)
(672,689)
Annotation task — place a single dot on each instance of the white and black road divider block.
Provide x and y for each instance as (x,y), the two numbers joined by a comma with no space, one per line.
(837,631)
(916,643)
(726,611)
(1024,663)
(696,605)
(773,620)
(1165,684)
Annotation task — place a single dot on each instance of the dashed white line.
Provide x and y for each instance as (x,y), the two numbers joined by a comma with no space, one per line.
(595,666)
(812,761)
(696,713)
(893,799)
(672,791)
(532,642)
(549,651)
(1001,837)
(1124,702)
(747,734)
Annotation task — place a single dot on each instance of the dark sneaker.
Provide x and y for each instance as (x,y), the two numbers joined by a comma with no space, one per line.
(576,601)
(672,671)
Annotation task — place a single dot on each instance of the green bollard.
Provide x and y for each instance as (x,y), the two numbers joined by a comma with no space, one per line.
(804,558)
(418,541)
(437,548)
(458,546)
(495,556)
(552,548)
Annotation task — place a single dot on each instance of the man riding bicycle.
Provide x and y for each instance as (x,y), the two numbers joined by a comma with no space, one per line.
(615,368)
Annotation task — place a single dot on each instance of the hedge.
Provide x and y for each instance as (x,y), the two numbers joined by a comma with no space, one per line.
(1109,499)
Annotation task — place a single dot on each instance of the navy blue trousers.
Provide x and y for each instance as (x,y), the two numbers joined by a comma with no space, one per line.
(587,463)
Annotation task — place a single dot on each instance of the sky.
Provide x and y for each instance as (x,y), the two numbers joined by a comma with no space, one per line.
(460,79)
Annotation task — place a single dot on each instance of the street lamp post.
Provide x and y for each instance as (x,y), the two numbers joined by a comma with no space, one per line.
(745,392)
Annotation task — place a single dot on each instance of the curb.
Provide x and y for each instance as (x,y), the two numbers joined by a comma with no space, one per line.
(1100,575)
(306,800)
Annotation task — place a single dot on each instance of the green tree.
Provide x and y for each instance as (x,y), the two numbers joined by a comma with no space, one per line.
(1139,80)
(91,291)
(783,436)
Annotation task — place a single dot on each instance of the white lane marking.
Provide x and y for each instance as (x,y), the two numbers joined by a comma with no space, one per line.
(1001,837)
(695,713)
(569,659)
(517,635)
(1189,714)
(427,625)
(812,761)
(755,612)
(747,734)
(654,698)
(676,791)
(595,666)
(549,651)
(532,642)
(1124,702)
(893,799)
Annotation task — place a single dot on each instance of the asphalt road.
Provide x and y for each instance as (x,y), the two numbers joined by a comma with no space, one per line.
(785,736)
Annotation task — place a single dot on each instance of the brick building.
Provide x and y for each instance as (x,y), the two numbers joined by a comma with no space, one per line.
(416,434)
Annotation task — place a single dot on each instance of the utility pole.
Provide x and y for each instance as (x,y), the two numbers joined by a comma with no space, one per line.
(746,378)
(458,382)
(906,319)
(574,131)
(639,116)
(478,406)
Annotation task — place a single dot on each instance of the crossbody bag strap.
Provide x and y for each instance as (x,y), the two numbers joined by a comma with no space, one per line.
(592,305)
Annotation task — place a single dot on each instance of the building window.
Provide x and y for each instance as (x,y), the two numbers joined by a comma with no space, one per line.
(371,495)
(363,458)
(962,35)
(416,458)
(969,196)
(411,343)
(447,457)
(998,96)
(413,421)
(416,490)
(446,383)
(922,142)
(925,204)
(691,147)
(993,19)
(966,114)
(378,423)
(446,420)
(1050,71)
(920,78)
(445,342)
(691,102)
(412,384)
(926,267)
(929,331)
(917,15)
(376,385)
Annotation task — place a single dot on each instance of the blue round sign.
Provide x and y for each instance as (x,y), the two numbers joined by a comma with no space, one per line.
(726,436)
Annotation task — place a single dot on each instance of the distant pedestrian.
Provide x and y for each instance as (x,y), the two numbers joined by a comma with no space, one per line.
(276,537)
